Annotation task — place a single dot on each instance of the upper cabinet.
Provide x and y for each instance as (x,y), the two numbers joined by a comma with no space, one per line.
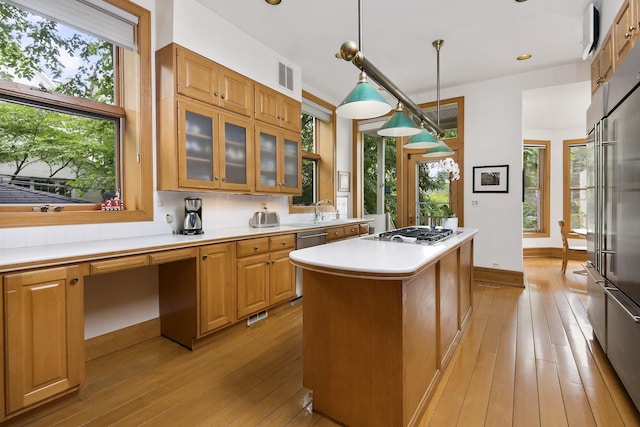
(615,46)
(625,28)
(278,160)
(602,64)
(277,109)
(206,119)
(204,80)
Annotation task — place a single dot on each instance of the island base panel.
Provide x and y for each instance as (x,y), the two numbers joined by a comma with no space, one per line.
(369,347)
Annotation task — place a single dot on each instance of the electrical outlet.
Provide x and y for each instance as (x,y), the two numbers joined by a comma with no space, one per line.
(474,203)
(496,264)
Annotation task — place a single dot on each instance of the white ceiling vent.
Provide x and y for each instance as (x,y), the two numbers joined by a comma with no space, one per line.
(285,76)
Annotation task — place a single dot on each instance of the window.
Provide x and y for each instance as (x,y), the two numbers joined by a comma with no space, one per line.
(74,111)
(535,206)
(575,184)
(380,191)
(318,136)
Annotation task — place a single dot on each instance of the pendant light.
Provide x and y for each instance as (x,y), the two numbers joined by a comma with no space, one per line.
(399,124)
(441,149)
(363,102)
(422,140)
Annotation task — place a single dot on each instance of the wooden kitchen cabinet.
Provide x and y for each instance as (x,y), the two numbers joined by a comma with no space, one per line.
(602,66)
(214,150)
(205,133)
(44,335)
(277,109)
(278,160)
(265,276)
(217,287)
(200,78)
(344,232)
(625,27)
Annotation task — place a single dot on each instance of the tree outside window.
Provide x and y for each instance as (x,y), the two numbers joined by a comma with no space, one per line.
(535,206)
(380,176)
(575,184)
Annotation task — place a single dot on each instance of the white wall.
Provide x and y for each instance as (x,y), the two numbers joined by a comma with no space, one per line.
(493,136)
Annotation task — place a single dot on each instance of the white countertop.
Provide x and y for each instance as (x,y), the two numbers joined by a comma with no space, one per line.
(96,249)
(370,256)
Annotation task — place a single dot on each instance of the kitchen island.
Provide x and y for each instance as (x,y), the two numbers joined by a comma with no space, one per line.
(381,320)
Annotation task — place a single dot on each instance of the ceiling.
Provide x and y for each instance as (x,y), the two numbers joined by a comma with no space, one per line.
(481,38)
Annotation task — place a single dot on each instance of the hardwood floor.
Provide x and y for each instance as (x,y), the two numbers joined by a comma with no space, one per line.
(527,359)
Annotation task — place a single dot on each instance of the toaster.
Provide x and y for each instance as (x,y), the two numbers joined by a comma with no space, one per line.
(265,219)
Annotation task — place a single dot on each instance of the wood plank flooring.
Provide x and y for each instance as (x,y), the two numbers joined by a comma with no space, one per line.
(527,359)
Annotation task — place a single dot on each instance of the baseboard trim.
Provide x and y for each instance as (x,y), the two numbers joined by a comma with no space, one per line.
(122,338)
(498,277)
(553,253)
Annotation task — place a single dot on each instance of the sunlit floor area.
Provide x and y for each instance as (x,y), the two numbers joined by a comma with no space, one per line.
(528,358)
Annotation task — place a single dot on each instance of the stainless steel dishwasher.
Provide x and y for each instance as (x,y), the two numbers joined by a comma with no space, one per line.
(307,239)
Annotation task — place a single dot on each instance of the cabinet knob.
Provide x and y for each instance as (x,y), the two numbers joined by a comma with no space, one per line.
(273,261)
(215,94)
(222,96)
(74,280)
(284,243)
(215,178)
(224,179)
(255,248)
(205,256)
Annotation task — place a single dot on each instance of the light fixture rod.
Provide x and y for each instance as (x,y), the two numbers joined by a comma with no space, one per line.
(360,26)
(357,58)
(437,44)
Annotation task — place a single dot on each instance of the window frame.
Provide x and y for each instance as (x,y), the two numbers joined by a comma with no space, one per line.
(545,189)
(324,157)
(566,183)
(133,71)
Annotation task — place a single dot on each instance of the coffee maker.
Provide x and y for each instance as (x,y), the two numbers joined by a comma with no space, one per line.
(192,216)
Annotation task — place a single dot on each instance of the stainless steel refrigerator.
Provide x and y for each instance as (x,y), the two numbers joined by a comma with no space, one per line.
(613,220)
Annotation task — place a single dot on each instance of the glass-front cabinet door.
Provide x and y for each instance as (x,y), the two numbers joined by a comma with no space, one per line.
(267,161)
(278,160)
(236,150)
(291,161)
(197,127)
(215,149)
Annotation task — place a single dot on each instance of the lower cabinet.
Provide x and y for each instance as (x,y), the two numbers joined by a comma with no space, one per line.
(217,287)
(345,232)
(265,276)
(44,335)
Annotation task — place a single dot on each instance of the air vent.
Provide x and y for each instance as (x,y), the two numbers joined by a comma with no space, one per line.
(285,76)
(257,317)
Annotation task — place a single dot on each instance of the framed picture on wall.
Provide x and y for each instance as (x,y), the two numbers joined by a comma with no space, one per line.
(491,179)
(344,181)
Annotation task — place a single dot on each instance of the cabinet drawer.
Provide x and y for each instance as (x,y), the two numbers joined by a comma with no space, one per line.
(252,247)
(287,241)
(364,229)
(174,255)
(351,230)
(117,264)
(335,233)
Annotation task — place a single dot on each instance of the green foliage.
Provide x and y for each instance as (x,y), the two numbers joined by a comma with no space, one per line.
(28,46)
(389,180)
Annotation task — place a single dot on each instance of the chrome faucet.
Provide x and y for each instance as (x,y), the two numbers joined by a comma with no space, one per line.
(316,204)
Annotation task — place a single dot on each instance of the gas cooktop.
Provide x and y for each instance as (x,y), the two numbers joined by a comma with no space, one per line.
(417,234)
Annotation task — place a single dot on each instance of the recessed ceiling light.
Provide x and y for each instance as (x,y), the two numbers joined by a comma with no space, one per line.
(524,57)
(520,1)
(273,2)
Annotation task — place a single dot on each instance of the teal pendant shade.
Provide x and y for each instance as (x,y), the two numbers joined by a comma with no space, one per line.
(399,124)
(439,150)
(363,102)
(422,140)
